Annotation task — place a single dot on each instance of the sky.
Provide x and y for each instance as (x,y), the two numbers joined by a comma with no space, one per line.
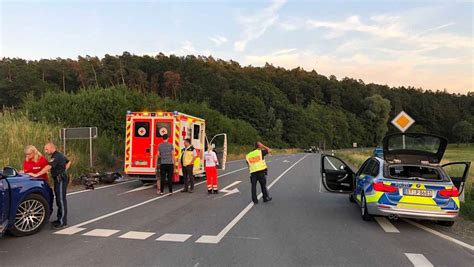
(420,43)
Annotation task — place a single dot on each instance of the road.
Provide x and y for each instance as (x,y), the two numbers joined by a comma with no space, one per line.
(129,225)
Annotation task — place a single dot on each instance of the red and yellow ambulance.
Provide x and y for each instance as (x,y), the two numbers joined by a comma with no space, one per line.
(144,132)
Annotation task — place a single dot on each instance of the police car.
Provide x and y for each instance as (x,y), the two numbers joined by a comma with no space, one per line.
(407,180)
(25,203)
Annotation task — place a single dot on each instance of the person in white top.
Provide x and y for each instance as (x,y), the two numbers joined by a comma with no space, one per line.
(210,161)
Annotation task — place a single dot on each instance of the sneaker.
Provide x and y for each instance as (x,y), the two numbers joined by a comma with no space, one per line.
(267,199)
(191,190)
(255,202)
(216,191)
(160,193)
(209,192)
(59,226)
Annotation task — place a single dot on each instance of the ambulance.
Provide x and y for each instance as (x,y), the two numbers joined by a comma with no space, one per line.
(144,133)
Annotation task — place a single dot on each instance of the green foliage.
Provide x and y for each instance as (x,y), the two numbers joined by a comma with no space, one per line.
(463,131)
(376,116)
(269,102)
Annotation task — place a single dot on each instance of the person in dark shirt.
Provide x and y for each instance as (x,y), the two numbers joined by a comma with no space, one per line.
(58,165)
(165,160)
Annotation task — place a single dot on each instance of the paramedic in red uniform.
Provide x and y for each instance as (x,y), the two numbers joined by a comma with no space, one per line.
(34,162)
(210,161)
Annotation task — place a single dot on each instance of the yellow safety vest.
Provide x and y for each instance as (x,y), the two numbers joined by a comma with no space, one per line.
(256,161)
(187,157)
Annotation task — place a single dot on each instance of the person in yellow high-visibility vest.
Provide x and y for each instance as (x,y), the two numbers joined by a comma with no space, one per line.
(188,157)
(258,170)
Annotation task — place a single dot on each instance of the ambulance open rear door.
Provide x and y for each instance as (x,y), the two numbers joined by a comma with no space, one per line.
(219,144)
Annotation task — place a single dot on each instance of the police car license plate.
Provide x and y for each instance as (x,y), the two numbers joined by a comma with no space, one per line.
(418,192)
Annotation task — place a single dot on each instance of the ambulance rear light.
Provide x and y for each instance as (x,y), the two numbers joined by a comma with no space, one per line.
(145,113)
(453,192)
(128,112)
(452,212)
(381,187)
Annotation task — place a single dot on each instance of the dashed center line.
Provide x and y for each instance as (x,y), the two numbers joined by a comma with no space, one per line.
(386,225)
(101,232)
(173,237)
(418,260)
(137,235)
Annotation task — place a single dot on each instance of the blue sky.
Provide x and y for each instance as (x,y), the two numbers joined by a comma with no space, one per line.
(426,44)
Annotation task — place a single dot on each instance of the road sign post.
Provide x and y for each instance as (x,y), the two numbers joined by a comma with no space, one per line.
(79,133)
(403,121)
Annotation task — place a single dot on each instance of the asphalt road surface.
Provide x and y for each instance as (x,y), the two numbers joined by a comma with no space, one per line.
(130,225)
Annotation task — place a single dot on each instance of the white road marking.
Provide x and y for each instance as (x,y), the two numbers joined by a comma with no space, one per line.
(386,225)
(211,239)
(139,204)
(101,232)
(440,234)
(69,231)
(137,235)
(418,260)
(173,237)
(101,187)
(138,189)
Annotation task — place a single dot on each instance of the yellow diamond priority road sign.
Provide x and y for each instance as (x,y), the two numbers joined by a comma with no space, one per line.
(403,121)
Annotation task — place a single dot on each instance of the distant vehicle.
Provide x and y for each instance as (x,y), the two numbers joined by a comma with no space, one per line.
(378,152)
(311,149)
(25,203)
(407,181)
(144,132)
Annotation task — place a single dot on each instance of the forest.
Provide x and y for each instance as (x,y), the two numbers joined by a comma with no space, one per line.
(282,107)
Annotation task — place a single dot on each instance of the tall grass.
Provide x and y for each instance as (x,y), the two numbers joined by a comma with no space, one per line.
(18,132)
(462,152)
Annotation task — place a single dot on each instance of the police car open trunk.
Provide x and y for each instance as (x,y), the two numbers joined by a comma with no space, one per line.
(413,168)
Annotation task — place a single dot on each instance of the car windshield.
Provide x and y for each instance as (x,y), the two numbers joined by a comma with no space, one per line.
(413,172)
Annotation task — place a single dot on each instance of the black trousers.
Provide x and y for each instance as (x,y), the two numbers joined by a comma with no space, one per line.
(261,177)
(166,173)
(188,177)
(60,189)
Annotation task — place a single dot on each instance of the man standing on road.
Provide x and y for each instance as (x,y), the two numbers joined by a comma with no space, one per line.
(188,156)
(58,164)
(258,170)
(166,161)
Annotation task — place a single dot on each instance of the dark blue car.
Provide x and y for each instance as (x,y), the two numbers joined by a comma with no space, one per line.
(25,203)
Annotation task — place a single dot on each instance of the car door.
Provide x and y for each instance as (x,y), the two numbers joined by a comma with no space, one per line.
(219,142)
(4,204)
(361,177)
(336,175)
(458,172)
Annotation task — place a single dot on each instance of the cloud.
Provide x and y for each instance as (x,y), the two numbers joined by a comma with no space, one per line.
(403,71)
(257,24)
(219,40)
(386,28)
(188,47)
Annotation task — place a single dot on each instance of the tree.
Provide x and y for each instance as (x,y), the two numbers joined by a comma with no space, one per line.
(376,116)
(463,131)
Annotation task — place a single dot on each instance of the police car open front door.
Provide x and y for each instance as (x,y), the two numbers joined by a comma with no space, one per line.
(219,142)
(4,204)
(458,172)
(142,143)
(337,176)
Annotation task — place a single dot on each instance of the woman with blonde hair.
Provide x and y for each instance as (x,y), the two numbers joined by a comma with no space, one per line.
(34,162)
